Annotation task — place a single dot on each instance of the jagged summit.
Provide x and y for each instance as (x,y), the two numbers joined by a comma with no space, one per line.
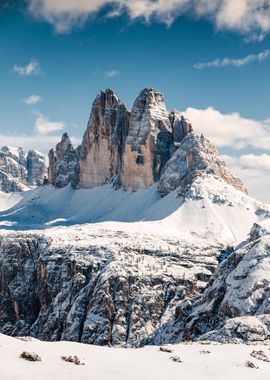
(63,164)
(20,170)
(135,149)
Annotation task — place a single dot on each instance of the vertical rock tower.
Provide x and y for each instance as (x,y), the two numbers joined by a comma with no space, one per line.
(63,164)
(104,141)
(148,144)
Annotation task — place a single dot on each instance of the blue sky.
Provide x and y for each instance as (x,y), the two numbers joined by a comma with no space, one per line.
(53,62)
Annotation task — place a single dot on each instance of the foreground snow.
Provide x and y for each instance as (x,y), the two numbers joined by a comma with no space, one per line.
(103,363)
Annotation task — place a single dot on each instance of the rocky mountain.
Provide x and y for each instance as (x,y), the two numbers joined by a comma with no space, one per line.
(235,306)
(20,170)
(136,149)
(142,236)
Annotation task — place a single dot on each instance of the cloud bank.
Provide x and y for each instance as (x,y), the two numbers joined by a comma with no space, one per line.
(236,62)
(247,17)
(255,172)
(33,141)
(230,130)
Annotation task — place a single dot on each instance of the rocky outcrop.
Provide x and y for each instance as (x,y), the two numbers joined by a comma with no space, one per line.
(235,306)
(69,287)
(194,157)
(63,164)
(36,167)
(104,141)
(19,170)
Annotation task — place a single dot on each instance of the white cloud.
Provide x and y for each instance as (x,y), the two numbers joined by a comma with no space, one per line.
(236,62)
(33,141)
(254,170)
(230,130)
(44,125)
(32,99)
(111,73)
(33,68)
(248,17)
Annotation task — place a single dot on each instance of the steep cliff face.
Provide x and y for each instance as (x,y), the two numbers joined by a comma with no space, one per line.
(19,170)
(63,164)
(235,305)
(104,141)
(149,141)
(67,286)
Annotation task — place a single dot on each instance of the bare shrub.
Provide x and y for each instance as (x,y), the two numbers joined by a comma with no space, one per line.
(176,359)
(165,349)
(72,359)
(30,356)
(249,364)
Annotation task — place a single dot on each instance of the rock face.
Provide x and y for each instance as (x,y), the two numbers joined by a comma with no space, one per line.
(149,141)
(104,141)
(36,167)
(19,170)
(138,148)
(69,287)
(194,157)
(235,306)
(63,164)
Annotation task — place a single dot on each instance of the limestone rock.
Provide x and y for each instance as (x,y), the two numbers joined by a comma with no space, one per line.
(63,164)
(149,141)
(194,157)
(235,306)
(70,287)
(104,141)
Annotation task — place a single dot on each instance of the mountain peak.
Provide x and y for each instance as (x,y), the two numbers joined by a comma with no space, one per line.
(136,149)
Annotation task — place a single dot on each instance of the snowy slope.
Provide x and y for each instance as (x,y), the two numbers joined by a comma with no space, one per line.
(8,200)
(221,362)
(213,209)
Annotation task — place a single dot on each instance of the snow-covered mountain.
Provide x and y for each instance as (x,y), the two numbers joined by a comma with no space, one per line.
(19,171)
(119,246)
